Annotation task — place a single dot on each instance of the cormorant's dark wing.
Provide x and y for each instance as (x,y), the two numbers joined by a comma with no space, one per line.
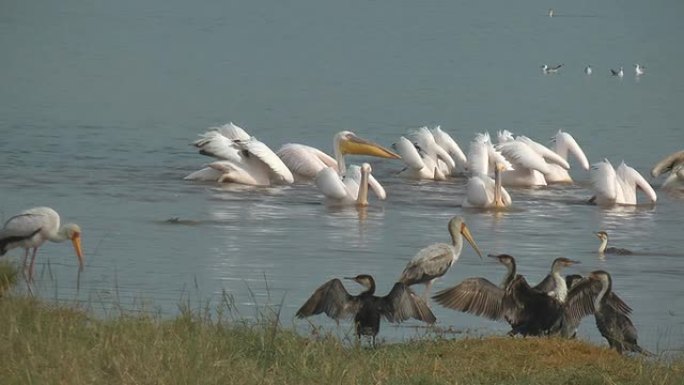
(580,300)
(475,296)
(618,304)
(332,299)
(547,285)
(402,303)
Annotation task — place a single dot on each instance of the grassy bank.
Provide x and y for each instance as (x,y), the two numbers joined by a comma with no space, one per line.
(48,344)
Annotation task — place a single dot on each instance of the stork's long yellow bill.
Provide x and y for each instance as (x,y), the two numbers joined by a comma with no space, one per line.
(358,146)
(76,241)
(466,234)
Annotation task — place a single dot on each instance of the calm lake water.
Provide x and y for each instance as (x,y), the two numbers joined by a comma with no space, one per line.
(99,101)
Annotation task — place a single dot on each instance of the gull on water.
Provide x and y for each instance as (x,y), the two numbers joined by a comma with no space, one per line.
(619,73)
(550,70)
(587,70)
(639,69)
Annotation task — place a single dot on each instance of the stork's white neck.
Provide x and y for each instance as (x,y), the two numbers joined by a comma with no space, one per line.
(362,198)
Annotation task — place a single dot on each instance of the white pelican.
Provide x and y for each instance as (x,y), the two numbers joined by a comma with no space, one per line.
(639,70)
(306,162)
(619,187)
(242,159)
(619,73)
(673,163)
(531,160)
(551,70)
(31,228)
(433,261)
(422,155)
(564,143)
(452,148)
(352,188)
(481,190)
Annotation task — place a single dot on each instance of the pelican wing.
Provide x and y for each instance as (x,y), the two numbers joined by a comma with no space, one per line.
(546,153)
(668,163)
(278,169)
(232,131)
(604,179)
(330,184)
(207,174)
(632,177)
(234,172)
(332,299)
(376,187)
(426,142)
(478,157)
(479,192)
(523,156)
(566,143)
(213,144)
(476,296)
(448,143)
(431,262)
(305,161)
(409,154)
(402,303)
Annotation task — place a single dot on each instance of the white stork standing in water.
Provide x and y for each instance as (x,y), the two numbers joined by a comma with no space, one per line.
(31,228)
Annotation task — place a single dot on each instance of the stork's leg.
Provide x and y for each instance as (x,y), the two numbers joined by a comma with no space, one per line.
(428,286)
(33,261)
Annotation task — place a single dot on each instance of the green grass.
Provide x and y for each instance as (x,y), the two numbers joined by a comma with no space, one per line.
(43,343)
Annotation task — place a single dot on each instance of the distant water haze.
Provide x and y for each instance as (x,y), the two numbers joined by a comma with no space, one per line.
(100,100)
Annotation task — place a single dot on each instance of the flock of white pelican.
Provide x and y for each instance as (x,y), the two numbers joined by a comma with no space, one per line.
(428,154)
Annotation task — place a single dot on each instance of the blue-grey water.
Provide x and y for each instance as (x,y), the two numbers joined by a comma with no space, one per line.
(99,101)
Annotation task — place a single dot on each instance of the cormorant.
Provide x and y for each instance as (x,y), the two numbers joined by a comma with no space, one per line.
(399,305)
(529,311)
(603,236)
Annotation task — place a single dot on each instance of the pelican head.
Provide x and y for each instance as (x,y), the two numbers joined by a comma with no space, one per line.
(457,226)
(346,142)
(72,231)
(364,280)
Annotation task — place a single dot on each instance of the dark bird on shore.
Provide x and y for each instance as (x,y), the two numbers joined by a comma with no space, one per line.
(554,284)
(610,312)
(603,249)
(435,260)
(529,311)
(367,309)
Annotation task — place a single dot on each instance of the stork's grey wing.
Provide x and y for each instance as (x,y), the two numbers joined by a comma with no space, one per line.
(430,262)
(402,303)
(332,299)
(475,296)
